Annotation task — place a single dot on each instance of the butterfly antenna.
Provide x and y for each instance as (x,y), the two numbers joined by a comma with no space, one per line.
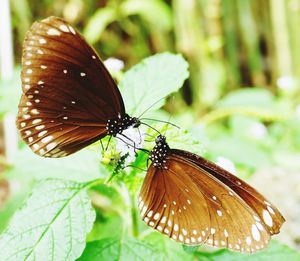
(102,147)
(168,122)
(130,145)
(161,121)
(108,143)
(150,107)
(151,127)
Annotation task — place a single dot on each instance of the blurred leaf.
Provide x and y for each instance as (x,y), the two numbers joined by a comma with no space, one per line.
(10,93)
(116,249)
(275,252)
(109,225)
(151,11)
(248,97)
(151,80)
(21,16)
(167,249)
(52,225)
(81,166)
(98,23)
(239,151)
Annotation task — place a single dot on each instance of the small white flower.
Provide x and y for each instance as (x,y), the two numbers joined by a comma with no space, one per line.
(226,164)
(114,65)
(287,83)
(135,139)
(258,130)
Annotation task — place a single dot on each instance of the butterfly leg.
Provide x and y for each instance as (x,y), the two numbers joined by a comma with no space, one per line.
(102,147)
(108,143)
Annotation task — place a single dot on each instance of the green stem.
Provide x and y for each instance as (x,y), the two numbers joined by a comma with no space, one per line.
(134,216)
(253,112)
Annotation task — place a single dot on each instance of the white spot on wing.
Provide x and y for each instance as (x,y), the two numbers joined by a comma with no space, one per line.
(53,31)
(156,216)
(225,233)
(267,218)
(72,30)
(40,127)
(47,139)
(36,121)
(176,227)
(42,133)
(163,220)
(255,233)
(270,210)
(64,28)
(42,41)
(248,241)
(51,146)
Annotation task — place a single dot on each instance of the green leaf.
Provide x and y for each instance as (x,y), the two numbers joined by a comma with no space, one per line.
(239,151)
(151,11)
(98,23)
(249,97)
(81,166)
(167,249)
(152,80)
(122,250)
(10,93)
(275,252)
(52,224)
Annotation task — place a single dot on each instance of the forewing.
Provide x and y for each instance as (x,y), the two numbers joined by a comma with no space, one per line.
(199,207)
(267,212)
(68,95)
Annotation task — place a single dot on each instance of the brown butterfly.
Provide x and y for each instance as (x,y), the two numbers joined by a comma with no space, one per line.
(194,201)
(69,98)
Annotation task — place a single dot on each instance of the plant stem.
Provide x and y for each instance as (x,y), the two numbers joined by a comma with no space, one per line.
(134,216)
(253,112)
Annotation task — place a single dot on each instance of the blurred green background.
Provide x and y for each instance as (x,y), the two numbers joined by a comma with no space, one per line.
(242,100)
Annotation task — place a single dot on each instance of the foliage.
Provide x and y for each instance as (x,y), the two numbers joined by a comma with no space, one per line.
(54,221)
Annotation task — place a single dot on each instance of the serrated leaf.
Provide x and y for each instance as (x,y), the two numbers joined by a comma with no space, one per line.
(151,81)
(81,166)
(275,252)
(122,250)
(52,224)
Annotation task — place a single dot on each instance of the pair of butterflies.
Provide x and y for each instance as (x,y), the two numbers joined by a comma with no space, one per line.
(70,100)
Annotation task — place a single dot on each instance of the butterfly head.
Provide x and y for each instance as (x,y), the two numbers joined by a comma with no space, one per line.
(159,153)
(135,122)
(118,125)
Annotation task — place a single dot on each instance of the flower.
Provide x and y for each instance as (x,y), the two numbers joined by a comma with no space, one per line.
(114,65)
(226,164)
(128,142)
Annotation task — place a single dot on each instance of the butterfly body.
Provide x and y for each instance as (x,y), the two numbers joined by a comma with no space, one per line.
(194,201)
(118,125)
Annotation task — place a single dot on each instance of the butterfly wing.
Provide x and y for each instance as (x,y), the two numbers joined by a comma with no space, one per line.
(266,211)
(191,206)
(68,95)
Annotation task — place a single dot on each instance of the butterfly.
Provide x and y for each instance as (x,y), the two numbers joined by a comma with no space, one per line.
(194,201)
(69,99)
